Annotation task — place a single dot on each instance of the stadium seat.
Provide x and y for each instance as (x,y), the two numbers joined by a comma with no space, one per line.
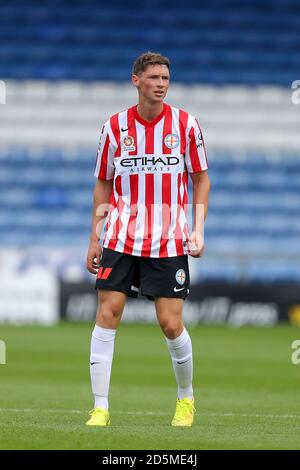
(226,49)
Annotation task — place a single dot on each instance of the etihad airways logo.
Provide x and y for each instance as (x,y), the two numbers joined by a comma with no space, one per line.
(138,161)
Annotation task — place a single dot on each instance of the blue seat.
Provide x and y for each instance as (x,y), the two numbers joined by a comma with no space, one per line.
(39,42)
(252,230)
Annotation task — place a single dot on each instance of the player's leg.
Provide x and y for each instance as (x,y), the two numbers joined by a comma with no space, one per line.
(169,314)
(117,278)
(110,308)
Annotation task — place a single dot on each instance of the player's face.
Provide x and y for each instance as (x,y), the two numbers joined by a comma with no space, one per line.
(153,83)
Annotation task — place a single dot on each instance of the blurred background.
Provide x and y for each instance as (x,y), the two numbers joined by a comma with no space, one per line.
(65,67)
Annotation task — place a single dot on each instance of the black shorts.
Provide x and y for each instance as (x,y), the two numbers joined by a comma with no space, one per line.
(155,277)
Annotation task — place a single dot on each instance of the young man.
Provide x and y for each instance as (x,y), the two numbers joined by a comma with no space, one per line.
(144,157)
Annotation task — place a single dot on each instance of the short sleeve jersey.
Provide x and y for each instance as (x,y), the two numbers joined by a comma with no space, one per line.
(149,163)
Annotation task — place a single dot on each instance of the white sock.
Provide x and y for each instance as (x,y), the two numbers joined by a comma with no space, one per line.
(102,350)
(182,357)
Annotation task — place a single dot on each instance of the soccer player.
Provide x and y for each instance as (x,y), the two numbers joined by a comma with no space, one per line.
(144,157)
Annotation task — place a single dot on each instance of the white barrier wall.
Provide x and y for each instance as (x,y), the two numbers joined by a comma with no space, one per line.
(27,295)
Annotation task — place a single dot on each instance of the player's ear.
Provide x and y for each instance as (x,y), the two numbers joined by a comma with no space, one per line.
(135,80)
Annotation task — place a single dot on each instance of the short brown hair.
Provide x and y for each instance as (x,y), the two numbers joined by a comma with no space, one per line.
(149,58)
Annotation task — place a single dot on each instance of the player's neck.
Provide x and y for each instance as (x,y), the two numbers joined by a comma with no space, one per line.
(149,111)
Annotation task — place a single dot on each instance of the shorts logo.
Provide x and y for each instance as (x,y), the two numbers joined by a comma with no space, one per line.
(178,289)
(128,143)
(171,141)
(180,276)
(103,273)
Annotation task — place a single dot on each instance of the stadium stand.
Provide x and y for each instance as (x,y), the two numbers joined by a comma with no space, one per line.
(247,42)
(63,68)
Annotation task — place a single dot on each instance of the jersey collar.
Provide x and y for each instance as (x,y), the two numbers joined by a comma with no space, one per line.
(154,121)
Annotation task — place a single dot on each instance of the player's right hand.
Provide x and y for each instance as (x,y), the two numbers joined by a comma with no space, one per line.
(93,257)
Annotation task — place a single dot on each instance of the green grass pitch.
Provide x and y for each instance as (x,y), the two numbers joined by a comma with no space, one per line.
(246,388)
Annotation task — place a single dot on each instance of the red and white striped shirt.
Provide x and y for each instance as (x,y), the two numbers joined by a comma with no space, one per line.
(149,163)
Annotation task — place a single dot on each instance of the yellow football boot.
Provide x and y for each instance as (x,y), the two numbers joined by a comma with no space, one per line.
(99,417)
(184,414)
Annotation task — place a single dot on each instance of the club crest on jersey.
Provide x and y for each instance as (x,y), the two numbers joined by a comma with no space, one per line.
(180,276)
(128,143)
(171,141)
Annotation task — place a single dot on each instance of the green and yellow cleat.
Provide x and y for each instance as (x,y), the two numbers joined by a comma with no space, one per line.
(184,414)
(99,417)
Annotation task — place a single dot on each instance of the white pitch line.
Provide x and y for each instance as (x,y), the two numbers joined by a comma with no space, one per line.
(151,413)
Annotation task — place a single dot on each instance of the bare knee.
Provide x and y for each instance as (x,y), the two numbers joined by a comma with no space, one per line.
(108,316)
(172,328)
(169,315)
(110,309)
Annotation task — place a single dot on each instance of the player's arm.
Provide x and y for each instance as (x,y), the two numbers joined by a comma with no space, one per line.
(104,172)
(196,162)
(102,192)
(201,189)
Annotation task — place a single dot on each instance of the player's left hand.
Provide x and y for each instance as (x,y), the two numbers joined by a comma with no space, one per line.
(196,245)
